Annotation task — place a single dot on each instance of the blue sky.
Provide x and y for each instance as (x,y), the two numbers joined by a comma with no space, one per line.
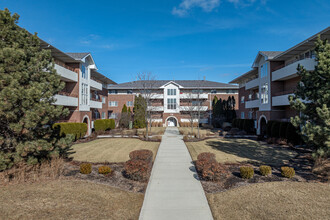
(172,39)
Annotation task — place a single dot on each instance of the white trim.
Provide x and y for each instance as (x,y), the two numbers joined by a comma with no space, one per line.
(261,116)
(88,124)
(171,116)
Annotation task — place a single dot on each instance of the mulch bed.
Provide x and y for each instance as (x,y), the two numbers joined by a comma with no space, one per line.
(301,163)
(115,179)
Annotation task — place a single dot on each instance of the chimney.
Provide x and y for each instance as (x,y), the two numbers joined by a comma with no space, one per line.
(204,78)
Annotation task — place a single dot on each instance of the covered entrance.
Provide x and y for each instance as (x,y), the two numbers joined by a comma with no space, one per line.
(171,122)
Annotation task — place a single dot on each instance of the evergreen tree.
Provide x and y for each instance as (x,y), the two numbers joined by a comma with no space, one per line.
(28,83)
(139,112)
(124,117)
(214,102)
(314,87)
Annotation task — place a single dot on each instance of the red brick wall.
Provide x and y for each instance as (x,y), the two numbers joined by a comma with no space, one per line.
(121,99)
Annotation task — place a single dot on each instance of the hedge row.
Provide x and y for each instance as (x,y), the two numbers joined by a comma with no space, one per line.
(79,130)
(284,130)
(104,124)
(244,124)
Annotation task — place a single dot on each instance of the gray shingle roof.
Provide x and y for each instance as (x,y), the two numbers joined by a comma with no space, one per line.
(183,83)
(77,56)
(271,54)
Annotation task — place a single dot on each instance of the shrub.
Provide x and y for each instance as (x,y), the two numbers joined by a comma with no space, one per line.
(246,172)
(137,170)
(234,123)
(287,172)
(104,124)
(269,128)
(104,170)
(145,155)
(206,156)
(283,129)
(78,130)
(275,132)
(249,125)
(292,134)
(265,170)
(85,168)
(213,171)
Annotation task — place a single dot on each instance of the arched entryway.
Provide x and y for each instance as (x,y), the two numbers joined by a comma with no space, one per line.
(262,125)
(87,121)
(171,122)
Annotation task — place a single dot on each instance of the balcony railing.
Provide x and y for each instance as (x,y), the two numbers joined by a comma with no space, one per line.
(156,108)
(252,84)
(66,100)
(67,94)
(193,96)
(66,74)
(290,70)
(193,108)
(95,85)
(284,92)
(281,100)
(252,104)
(95,104)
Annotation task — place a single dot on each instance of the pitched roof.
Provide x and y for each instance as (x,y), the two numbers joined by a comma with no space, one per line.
(78,56)
(184,83)
(271,54)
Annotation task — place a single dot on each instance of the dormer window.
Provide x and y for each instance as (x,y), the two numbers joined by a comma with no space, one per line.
(171,91)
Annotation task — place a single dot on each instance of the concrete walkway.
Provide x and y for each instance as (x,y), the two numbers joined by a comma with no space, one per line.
(174,191)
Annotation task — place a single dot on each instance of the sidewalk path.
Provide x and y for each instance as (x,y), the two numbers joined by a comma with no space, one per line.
(174,191)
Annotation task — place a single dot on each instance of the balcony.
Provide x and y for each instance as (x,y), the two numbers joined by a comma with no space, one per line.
(156,108)
(66,100)
(154,95)
(96,85)
(252,103)
(290,71)
(95,104)
(252,84)
(193,108)
(193,96)
(66,74)
(281,100)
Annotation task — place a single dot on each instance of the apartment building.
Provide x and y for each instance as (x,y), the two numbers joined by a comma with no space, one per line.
(264,90)
(85,91)
(172,101)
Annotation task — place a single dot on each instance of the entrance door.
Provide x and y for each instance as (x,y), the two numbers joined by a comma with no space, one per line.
(171,122)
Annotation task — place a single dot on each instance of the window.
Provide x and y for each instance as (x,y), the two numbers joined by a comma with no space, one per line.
(103,115)
(242,99)
(171,103)
(264,94)
(96,114)
(263,70)
(113,115)
(84,94)
(113,91)
(197,91)
(129,103)
(242,115)
(213,91)
(129,91)
(103,100)
(195,103)
(171,91)
(113,103)
(250,115)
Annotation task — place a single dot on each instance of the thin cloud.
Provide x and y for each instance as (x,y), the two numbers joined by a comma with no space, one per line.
(186,5)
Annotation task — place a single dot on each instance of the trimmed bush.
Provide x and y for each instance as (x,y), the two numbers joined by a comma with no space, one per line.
(246,172)
(85,168)
(283,129)
(269,128)
(104,124)
(137,170)
(234,123)
(145,155)
(292,134)
(249,125)
(206,156)
(265,170)
(104,170)
(212,171)
(287,172)
(275,132)
(78,130)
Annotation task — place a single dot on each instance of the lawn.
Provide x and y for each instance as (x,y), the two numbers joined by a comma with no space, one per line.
(64,199)
(203,131)
(275,200)
(240,150)
(110,149)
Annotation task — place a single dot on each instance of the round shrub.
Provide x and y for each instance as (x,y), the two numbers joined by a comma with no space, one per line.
(265,170)
(283,129)
(287,172)
(145,155)
(104,170)
(246,172)
(85,168)
(137,170)
(206,156)
(275,129)
(213,171)
(269,128)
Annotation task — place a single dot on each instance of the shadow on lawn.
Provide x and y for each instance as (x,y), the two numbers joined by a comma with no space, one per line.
(259,154)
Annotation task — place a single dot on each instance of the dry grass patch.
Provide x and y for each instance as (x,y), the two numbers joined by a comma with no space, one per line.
(202,131)
(240,150)
(276,200)
(112,150)
(68,200)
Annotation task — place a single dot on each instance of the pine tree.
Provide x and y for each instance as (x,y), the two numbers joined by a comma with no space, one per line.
(124,117)
(28,83)
(314,87)
(139,112)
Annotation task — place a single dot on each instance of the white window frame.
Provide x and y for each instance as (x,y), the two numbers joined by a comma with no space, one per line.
(171,103)
(113,103)
(129,103)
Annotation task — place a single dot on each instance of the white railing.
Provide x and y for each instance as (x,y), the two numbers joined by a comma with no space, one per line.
(95,104)
(193,96)
(290,71)
(252,104)
(156,108)
(96,85)
(252,84)
(66,100)
(66,74)
(281,100)
(154,96)
(193,108)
